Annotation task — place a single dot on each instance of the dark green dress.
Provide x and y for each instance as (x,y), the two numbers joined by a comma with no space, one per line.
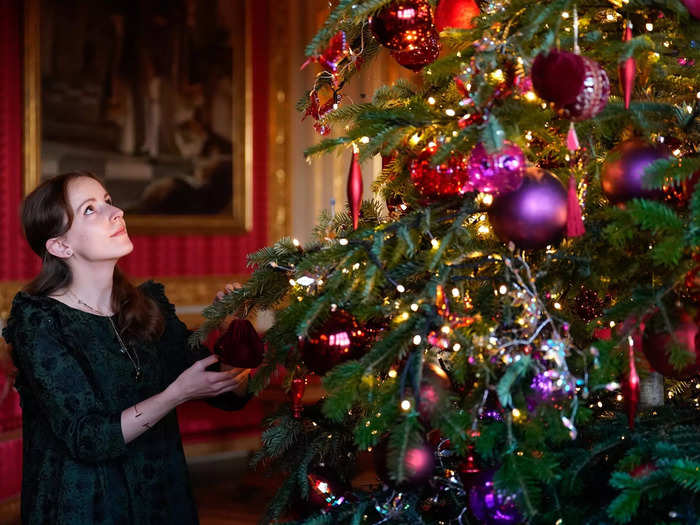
(74,383)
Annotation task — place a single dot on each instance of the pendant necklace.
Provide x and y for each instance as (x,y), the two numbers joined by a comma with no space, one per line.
(136,362)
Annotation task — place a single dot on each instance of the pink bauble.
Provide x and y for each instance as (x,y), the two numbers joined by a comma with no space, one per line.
(622,175)
(497,172)
(693,7)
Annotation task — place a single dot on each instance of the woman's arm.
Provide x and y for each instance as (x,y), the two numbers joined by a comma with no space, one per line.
(195,382)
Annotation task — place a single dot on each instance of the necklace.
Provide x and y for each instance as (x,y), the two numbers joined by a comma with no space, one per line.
(136,362)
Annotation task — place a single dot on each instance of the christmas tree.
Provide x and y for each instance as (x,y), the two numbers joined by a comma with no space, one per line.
(510,329)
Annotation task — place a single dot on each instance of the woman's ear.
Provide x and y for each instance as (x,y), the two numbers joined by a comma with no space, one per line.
(57,247)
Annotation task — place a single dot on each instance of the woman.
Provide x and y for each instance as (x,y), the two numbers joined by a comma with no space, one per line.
(101,367)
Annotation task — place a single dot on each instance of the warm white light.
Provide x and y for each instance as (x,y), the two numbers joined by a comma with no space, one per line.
(393,373)
(343,242)
(414,307)
(455,292)
(416,339)
(292,282)
(649,26)
(405,405)
(306,281)
(503,289)
(557,306)
(435,243)
(457,347)
(296,242)
(450,112)
(400,288)
(364,140)
(431,100)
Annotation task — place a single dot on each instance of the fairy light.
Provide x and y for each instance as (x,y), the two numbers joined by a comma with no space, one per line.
(516,413)
(676,152)
(483,229)
(431,100)
(530,96)
(415,139)
(343,242)
(612,324)
(403,317)
(306,281)
(417,339)
(296,242)
(435,244)
(557,306)
(487,199)
(649,26)
(414,307)
(364,140)
(406,405)
(455,292)
(503,289)
(450,112)
(292,282)
(565,15)
(498,76)
(400,288)
(456,347)
(393,373)
(445,329)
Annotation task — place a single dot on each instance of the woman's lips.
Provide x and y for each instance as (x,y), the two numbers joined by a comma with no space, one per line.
(119,232)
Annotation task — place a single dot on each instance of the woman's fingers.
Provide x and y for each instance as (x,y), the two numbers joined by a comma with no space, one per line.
(207,361)
(230,287)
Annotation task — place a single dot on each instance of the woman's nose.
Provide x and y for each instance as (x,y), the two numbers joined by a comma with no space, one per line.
(117,213)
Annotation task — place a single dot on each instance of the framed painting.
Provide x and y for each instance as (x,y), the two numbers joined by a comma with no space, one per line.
(154,97)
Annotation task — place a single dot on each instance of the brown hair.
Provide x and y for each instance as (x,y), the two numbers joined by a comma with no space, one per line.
(46,214)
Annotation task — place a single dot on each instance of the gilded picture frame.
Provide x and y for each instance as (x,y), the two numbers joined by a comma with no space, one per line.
(168,196)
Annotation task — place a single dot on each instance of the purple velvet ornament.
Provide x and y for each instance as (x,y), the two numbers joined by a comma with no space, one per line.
(498,172)
(623,171)
(534,215)
(491,506)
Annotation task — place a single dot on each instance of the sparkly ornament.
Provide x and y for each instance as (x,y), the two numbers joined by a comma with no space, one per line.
(402,23)
(491,408)
(491,506)
(339,339)
(656,345)
(448,179)
(630,387)
(418,465)
(588,305)
(455,13)
(355,189)
(534,215)
(296,392)
(693,7)
(623,171)
(577,85)
(627,69)
(423,53)
(550,387)
(240,345)
(497,172)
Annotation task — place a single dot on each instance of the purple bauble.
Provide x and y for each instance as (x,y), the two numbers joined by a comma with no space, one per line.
(623,171)
(498,172)
(534,215)
(492,506)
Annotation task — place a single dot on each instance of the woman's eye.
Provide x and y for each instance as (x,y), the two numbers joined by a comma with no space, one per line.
(109,201)
(89,210)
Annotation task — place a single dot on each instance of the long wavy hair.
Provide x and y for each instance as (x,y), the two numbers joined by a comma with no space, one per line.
(46,214)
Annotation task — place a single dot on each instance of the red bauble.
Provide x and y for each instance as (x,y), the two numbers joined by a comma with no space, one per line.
(534,215)
(656,346)
(240,345)
(455,13)
(340,338)
(622,174)
(402,24)
(693,7)
(578,86)
(444,180)
(418,465)
(424,53)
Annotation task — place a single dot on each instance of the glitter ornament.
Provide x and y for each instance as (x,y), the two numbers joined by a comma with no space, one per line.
(622,173)
(497,172)
(447,179)
(588,305)
(550,387)
(339,339)
(534,215)
(578,86)
(423,53)
(402,24)
(490,506)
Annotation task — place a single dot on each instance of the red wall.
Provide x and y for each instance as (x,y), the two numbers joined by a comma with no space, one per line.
(153,256)
(167,255)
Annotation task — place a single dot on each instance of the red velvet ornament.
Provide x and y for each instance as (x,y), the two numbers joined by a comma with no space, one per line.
(355,189)
(339,339)
(656,347)
(693,7)
(296,393)
(627,70)
(403,23)
(240,345)
(577,85)
(418,465)
(535,214)
(424,53)
(622,174)
(455,13)
(448,179)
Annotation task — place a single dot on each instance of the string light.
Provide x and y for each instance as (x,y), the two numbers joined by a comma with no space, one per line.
(406,405)
(343,242)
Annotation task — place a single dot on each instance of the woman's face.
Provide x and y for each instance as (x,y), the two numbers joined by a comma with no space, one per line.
(98,232)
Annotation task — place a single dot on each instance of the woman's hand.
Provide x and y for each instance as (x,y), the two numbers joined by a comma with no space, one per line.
(227,290)
(196,382)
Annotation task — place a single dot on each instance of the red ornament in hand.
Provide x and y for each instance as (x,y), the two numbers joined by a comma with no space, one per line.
(455,13)
(339,339)
(656,346)
(240,346)
(448,179)
(403,23)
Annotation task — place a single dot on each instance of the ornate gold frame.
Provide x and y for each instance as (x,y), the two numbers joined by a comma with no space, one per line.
(241,220)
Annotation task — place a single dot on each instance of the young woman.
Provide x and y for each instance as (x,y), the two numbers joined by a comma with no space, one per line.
(101,366)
